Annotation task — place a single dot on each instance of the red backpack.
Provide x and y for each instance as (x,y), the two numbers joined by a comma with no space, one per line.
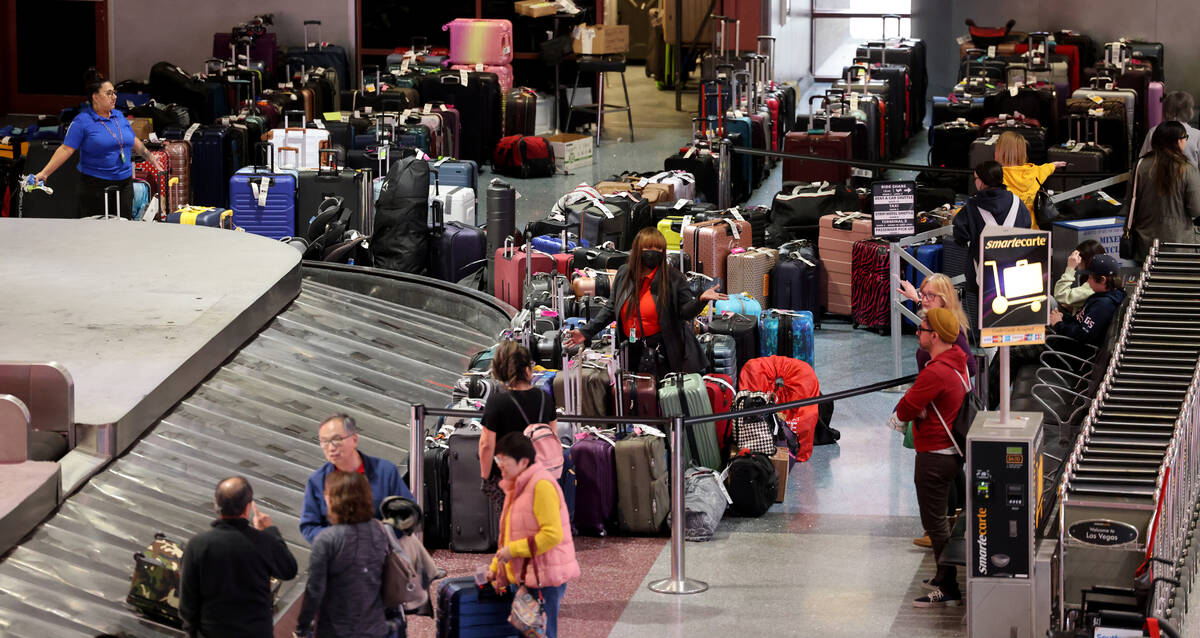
(524,156)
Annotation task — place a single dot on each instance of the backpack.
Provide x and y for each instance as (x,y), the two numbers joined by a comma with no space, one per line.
(967,412)
(545,439)
(753,483)
(524,156)
(755,433)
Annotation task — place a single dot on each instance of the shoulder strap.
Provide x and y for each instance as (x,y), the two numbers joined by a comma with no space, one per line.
(947,429)
(988,218)
(522,410)
(1132,201)
(1011,218)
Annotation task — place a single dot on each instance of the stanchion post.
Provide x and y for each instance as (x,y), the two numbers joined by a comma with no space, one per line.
(678,583)
(416,447)
(723,174)
(894,302)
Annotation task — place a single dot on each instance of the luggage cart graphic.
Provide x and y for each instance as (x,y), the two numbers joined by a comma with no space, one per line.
(1023,286)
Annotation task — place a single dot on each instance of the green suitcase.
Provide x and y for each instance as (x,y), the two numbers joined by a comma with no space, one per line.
(643,490)
(686,395)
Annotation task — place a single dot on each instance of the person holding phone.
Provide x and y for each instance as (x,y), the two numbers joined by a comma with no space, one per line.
(226,571)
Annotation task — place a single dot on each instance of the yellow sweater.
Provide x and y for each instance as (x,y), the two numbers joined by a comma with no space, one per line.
(550,533)
(1023,180)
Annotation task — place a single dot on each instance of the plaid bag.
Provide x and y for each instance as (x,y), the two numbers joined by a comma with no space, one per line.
(754,434)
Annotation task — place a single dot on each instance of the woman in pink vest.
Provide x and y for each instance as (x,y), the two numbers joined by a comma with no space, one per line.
(534,510)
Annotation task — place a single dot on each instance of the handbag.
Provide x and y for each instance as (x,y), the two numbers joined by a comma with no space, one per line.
(528,615)
(1044,209)
(1128,247)
(399,575)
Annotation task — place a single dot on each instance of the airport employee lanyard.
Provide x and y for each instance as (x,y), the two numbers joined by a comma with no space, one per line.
(118,138)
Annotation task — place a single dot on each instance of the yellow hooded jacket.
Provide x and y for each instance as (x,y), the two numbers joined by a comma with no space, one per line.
(1023,182)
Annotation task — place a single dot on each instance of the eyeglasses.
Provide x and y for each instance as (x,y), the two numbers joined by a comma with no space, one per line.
(924,329)
(334,442)
(109,93)
(921,294)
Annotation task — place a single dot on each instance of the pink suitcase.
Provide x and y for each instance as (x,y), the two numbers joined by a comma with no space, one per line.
(503,71)
(1154,96)
(480,41)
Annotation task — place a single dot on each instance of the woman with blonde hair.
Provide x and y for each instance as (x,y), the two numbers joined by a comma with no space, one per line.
(1020,177)
(937,291)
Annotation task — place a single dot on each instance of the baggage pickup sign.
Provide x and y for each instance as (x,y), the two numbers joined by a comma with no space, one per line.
(1014,284)
(894,210)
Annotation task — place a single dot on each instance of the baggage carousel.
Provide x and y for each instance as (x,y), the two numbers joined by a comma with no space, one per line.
(199,354)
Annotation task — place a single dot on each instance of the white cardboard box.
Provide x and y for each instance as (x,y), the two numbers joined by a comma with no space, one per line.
(571,151)
(1068,234)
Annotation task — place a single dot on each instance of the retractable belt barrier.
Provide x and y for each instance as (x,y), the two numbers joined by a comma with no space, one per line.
(678,583)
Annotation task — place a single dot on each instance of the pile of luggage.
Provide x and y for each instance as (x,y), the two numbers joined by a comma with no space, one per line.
(1071,101)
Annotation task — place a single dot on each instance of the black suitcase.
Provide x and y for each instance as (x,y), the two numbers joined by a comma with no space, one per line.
(743,329)
(437,496)
(331,180)
(795,283)
(520,112)
(475,525)
(64,203)
(701,162)
(899,82)
(910,52)
(638,214)
(478,105)
(1038,102)
(172,85)
(1082,154)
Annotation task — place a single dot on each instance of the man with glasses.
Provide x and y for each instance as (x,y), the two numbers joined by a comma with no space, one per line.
(339,441)
(932,404)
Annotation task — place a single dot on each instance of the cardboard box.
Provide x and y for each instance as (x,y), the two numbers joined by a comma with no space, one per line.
(694,12)
(601,39)
(782,462)
(535,8)
(571,151)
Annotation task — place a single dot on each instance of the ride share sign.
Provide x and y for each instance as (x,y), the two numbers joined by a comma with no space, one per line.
(894,209)
(1014,286)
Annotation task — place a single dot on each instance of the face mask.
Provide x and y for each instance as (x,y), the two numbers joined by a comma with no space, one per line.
(652,258)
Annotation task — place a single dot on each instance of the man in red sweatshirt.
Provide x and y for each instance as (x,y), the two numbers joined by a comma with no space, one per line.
(932,403)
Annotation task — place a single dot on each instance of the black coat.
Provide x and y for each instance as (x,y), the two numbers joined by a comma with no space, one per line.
(224,587)
(674,318)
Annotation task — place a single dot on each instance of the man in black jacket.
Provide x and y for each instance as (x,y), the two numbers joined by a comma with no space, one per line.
(225,579)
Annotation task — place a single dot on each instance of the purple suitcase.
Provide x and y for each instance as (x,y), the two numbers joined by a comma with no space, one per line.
(596,481)
(1154,96)
(262,49)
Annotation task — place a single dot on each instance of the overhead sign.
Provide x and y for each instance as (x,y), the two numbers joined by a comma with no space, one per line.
(1014,286)
(894,209)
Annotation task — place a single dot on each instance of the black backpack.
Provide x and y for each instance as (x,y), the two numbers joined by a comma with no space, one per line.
(970,408)
(753,484)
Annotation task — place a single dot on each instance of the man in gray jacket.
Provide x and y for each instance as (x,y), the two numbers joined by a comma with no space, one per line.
(1179,106)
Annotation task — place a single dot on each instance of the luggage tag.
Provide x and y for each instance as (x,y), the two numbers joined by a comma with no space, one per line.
(319,123)
(1105,196)
(404,65)
(463,76)
(428,108)
(187,135)
(736,214)
(690,153)
(681,203)
(479,67)
(1014,89)
(154,137)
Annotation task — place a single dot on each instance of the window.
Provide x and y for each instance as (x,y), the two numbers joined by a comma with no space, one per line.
(839,26)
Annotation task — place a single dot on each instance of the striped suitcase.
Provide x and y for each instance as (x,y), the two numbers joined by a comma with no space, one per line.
(869,285)
(687,395)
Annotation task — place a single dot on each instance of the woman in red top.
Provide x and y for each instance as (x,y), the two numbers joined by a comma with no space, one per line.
(656,309)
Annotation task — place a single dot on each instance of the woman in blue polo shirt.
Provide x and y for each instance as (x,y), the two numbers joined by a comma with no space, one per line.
(106,145)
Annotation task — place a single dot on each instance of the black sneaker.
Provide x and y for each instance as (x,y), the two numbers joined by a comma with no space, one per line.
(939,598)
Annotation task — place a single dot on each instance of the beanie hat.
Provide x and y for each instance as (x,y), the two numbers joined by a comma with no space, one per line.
(944,323)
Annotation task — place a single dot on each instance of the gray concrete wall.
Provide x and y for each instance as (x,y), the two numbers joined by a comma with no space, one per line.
(180,31)
(792,45)
(1166,21)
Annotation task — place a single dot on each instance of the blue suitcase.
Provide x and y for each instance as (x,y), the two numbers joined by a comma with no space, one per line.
(271,216)
(456,251)
(930,255)
(455,172)
(787,334)
(741,128)
(795,283)
(568,483)
(553,243)
(464,610)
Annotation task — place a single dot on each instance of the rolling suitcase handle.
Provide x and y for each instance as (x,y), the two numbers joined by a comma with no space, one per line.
(769,40)
(328,166)
(309,43)
(884,19)
(116,191)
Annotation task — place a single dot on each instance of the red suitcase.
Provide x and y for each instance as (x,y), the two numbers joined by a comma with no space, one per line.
(720,394)
(820,142)
(639,395)
(513,267)
(870,297)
